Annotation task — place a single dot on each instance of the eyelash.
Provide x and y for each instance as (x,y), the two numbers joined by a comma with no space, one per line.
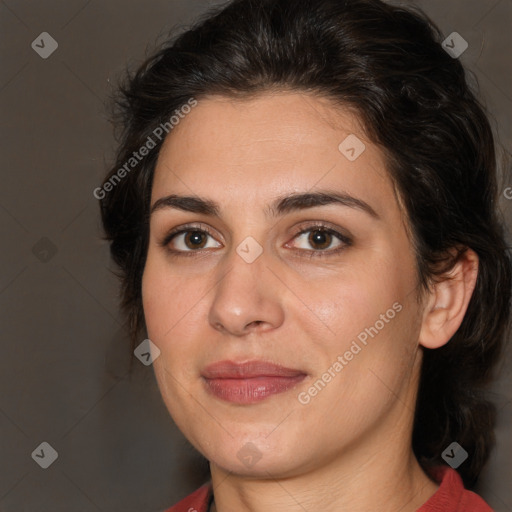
(313,253)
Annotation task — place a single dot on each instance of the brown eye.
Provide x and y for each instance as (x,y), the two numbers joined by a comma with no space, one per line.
(320,239)
(195,239)
(190,240)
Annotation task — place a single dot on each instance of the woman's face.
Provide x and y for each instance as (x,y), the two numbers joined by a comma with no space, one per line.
(257,280)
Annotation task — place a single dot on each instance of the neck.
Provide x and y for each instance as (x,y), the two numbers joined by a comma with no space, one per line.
(406,489)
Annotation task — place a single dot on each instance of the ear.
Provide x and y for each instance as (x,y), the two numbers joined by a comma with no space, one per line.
(448,301)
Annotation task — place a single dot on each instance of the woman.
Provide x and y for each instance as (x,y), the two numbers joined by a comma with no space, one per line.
(303,212)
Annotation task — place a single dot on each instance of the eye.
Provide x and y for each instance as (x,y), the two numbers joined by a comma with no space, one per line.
(188,239)
(322,240)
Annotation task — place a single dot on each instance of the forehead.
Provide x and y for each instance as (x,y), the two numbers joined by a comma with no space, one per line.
(270,144)
(271,120)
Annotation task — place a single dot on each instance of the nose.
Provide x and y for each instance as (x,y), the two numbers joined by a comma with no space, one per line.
(246,298)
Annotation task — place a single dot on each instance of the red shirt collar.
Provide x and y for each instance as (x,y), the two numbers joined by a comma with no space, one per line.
(450,497)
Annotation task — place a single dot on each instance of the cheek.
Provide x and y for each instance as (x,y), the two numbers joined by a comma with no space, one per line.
(167,303)
(351,301)
(369,317)
(167,298)
(367,365)
(156,302)
(176,310)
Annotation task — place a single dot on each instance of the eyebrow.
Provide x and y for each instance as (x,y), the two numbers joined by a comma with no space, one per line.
(280,206)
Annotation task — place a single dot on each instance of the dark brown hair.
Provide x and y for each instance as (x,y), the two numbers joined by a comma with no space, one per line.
(387,64)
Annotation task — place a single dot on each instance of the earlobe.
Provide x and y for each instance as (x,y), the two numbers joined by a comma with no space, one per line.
(448,301)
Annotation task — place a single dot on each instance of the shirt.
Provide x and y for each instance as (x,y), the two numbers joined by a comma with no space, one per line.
(449,497)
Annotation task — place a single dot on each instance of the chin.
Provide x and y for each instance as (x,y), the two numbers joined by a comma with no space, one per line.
(256,455)
(262,466)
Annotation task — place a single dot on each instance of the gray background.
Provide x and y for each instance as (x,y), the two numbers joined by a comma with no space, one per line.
(63,371)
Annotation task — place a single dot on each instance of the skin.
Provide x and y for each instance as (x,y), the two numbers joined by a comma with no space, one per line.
(349,448)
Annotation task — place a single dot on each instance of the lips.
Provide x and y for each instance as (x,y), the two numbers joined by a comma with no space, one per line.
(250,369)
(249,382)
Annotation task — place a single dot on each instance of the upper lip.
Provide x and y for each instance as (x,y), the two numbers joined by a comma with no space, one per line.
(231,370)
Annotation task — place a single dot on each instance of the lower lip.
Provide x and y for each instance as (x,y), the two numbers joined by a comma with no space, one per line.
(251,390)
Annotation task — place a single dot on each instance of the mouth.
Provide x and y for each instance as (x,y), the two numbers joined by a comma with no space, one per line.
(249,382)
